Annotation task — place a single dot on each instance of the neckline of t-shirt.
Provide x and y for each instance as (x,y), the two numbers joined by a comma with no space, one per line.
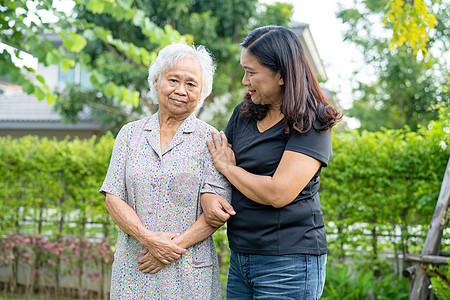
(268,129)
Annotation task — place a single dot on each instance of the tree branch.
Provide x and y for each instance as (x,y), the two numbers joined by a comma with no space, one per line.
(108,108)
(114,51)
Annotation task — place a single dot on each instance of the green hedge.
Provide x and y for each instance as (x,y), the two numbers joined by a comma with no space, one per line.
(50,187)
(378,193)
(381,189)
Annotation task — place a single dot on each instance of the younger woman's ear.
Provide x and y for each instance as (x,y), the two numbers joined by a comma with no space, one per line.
(280,79)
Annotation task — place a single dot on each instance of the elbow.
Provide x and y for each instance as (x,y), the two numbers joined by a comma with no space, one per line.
(108,204)
(277,194)
(280,200)
(278,204)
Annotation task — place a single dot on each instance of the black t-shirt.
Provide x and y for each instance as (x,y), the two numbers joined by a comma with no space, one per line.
(262,229)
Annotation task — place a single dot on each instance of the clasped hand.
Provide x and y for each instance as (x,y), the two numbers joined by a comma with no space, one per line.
(159,250)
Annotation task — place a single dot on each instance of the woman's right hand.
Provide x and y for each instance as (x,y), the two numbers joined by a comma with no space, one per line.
(216,209)
(162,247)
(221,152)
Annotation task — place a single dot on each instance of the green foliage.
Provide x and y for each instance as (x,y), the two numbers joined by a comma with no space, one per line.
(403,86)
(440,280)
(110,113)
(51,205)
(277,14)
(51,187)
(223,253)
(381,188)
(17,31)
(345,284)
(25,30)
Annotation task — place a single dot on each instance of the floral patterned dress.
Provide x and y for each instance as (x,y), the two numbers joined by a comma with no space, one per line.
(164,189)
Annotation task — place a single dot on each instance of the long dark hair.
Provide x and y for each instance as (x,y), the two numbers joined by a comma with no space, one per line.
(304,105)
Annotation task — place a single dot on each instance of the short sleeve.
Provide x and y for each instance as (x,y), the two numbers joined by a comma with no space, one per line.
(315,144)
(115,177)
(214,182)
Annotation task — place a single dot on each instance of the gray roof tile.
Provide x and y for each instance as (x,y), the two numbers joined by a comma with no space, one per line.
(24,107)
(23,111)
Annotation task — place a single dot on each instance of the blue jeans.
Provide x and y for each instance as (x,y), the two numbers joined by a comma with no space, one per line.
(292,276)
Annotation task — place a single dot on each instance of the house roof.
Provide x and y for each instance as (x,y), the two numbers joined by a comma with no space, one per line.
(23,111)
(305,36)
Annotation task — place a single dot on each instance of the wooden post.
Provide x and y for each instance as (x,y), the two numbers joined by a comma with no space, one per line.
(409,271)
(427,259)
(433,241)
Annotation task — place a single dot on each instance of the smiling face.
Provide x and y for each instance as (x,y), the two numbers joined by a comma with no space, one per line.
(264,85)
(179,88)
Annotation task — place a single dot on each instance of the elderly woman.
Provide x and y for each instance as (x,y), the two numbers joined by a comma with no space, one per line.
(159,169)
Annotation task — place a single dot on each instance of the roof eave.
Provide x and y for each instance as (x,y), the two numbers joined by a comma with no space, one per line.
(303,32)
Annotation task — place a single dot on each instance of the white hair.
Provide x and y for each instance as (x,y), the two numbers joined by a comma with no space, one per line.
(169,56)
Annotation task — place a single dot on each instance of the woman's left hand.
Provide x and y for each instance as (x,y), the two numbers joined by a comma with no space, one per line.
(221,152)
(149,263)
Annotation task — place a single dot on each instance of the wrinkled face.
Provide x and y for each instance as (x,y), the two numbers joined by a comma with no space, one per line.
(179,88)
(264,85)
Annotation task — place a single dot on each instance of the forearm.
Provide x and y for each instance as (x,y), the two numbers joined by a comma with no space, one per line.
(198,232)
(261,189)
(126,218)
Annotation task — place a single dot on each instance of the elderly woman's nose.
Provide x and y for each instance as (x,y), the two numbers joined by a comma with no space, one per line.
(181,89)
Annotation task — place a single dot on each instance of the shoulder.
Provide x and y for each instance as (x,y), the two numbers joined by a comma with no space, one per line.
(236,115)
(202,126)
(135,125)
(131,129)
(237,111)
(203,131)
(313,136)
(139,124)
(315,144)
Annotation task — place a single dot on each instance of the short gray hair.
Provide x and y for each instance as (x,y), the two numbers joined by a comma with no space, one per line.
(168,57)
